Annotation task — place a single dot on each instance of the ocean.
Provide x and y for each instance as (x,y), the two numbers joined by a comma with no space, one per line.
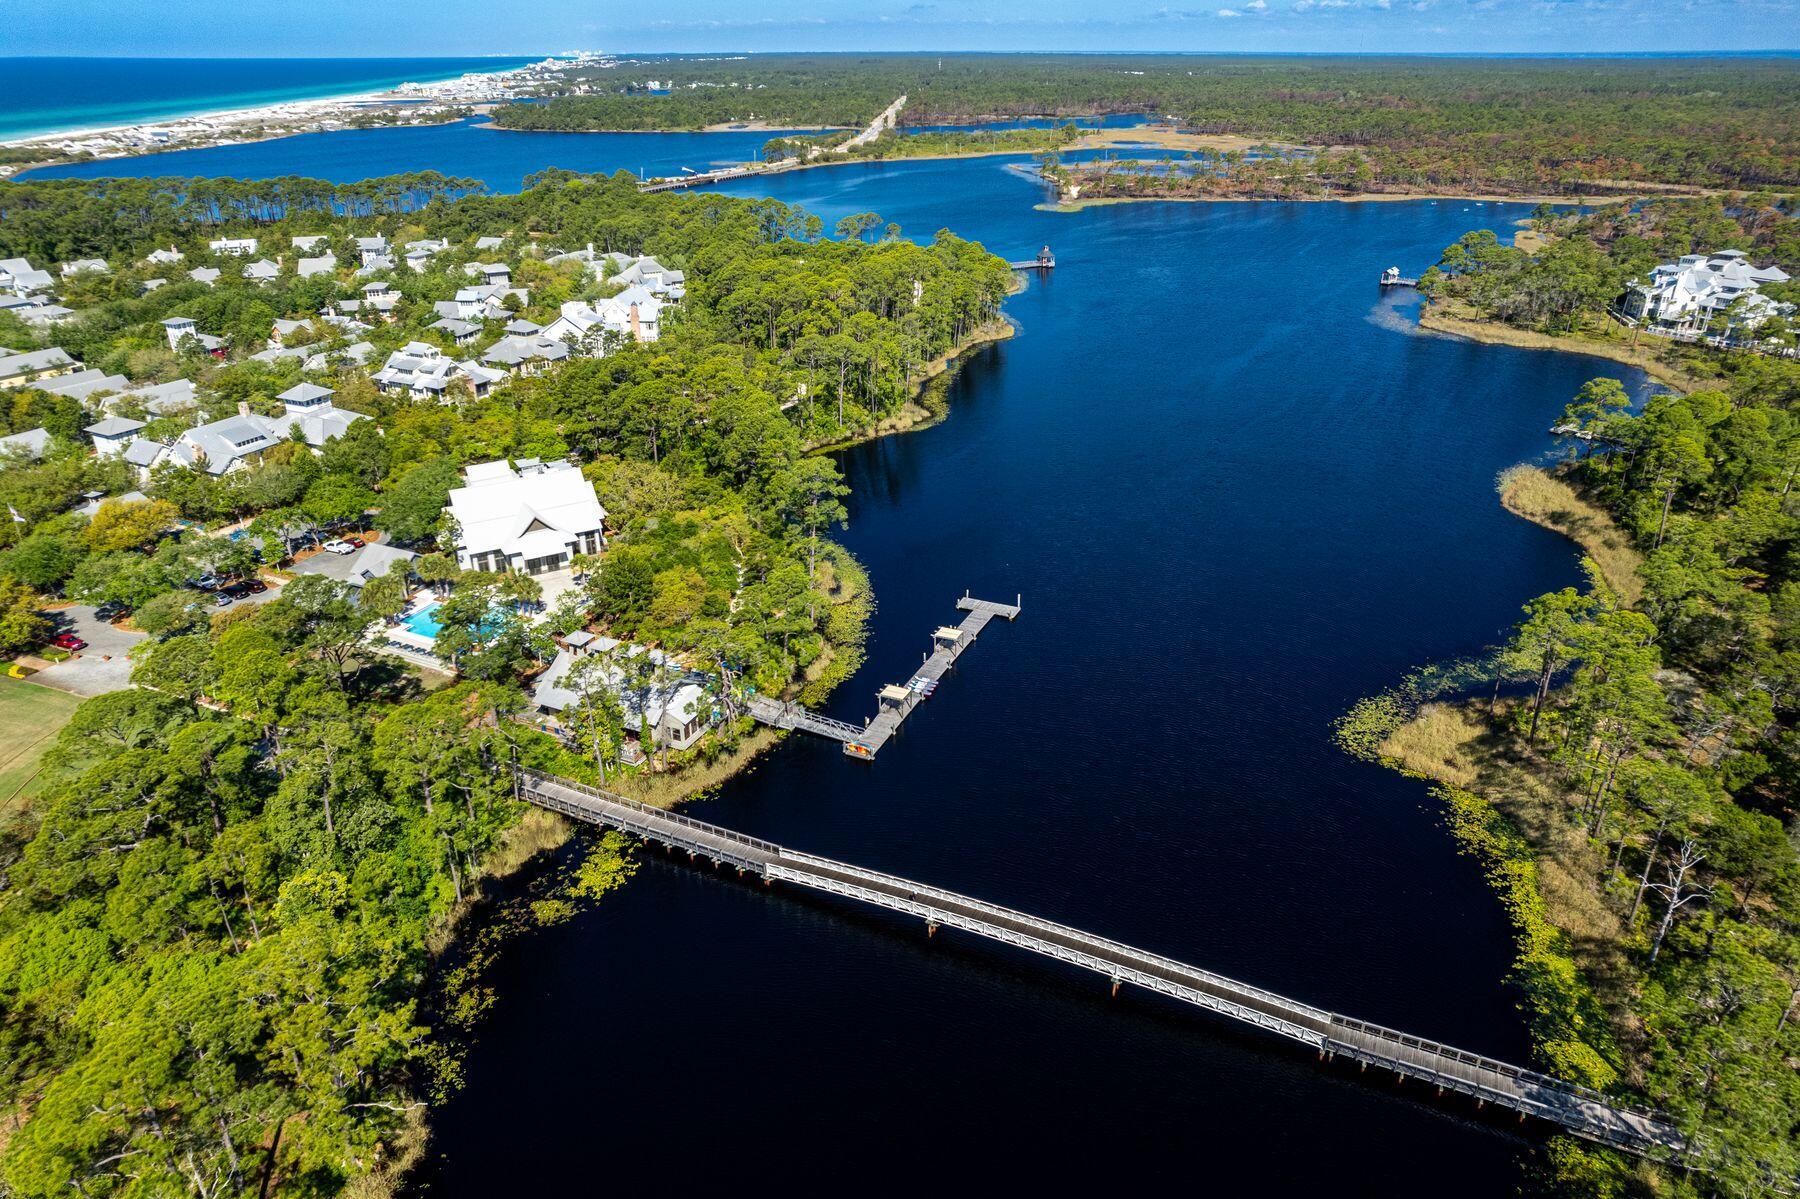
(51,95)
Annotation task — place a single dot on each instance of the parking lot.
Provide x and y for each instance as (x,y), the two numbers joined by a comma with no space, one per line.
(103,666)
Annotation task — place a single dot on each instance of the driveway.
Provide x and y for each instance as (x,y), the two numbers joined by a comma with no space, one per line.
(103,666)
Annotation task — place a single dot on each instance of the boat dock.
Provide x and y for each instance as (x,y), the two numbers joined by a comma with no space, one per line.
(1393,278)
(896,700)
(1044,261)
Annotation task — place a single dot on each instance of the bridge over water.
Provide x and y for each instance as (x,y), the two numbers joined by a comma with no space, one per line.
(1576,1109)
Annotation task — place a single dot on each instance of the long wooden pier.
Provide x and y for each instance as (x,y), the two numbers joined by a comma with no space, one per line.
(1441,1067)
(1045,261)
(897,701)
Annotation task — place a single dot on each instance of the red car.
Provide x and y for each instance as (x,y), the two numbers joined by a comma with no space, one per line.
(69,641)
(356,542)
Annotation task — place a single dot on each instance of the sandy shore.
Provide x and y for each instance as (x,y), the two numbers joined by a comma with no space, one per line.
(230,126)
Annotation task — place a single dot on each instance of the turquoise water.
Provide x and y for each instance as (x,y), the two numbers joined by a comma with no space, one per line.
(49,95)
(424,622)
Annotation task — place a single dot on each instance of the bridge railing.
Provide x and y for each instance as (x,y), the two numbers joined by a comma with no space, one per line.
(1051,927)
(1493,1065)
(654,815)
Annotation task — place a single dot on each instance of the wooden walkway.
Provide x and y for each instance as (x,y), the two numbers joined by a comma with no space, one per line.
(1442,1067)
(897,701)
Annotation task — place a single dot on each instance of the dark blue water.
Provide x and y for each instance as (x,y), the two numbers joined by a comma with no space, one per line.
(49,94)
(1236,495)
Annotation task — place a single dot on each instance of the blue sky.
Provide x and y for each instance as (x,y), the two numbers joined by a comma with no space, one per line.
(199,28)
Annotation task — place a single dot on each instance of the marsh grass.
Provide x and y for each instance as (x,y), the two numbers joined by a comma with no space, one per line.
(1547,499)
(1464,747)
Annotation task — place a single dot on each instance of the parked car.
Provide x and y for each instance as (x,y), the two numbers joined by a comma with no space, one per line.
(207,582)
(69,641)
(338,547)
(355,541)
(109,611)
(222,599)
(255,586)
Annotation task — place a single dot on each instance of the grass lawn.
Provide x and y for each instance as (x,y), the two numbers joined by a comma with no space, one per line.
(30,717)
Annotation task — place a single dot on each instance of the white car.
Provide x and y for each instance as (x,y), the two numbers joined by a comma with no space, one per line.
(338,547)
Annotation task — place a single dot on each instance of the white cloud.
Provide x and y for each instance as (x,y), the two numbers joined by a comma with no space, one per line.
(1229,12)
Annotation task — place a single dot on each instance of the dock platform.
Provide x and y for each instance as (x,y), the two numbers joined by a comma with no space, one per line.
(896,700)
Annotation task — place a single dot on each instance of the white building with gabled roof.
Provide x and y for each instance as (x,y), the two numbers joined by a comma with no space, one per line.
(533,519)
(1689,293)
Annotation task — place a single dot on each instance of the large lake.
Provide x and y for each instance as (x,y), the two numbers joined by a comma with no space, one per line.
(1236,494)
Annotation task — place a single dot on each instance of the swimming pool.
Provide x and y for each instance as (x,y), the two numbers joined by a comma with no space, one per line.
(424,622)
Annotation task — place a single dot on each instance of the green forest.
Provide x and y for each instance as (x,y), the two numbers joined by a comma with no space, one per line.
(1631,779)
(225,915)
(1522,126)
(1580,263)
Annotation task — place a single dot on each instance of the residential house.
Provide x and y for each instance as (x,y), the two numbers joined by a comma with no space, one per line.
(114,435)
(633,313)
(533,519)
(526,355)
(488,243)
(243,247)
(311,413)
(42,313)
(94,499)
(371,249)
(324,264)
(263,271)
(231,444)
(179,328)
(664,282)
(96,265)
(208,275)
(31,444)
(84,383)
(223,446)
(355,354)
(164,257)
(310,241)
(19,369)
(459,332)
(1688,294)
(426,372)
(490,273)
(158,399)
(284,329)
(420,253)
(653,690)
(150,285)
(19,277)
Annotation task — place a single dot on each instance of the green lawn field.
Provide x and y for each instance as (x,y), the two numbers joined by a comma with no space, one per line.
(30,717)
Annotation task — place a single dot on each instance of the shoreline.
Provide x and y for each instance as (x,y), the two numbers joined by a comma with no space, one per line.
(1433,319)
(1078,205)
(1500,806)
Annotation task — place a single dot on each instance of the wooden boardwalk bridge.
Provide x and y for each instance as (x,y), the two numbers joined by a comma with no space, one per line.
(1045,261)
(897,701)
(1581,1111)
